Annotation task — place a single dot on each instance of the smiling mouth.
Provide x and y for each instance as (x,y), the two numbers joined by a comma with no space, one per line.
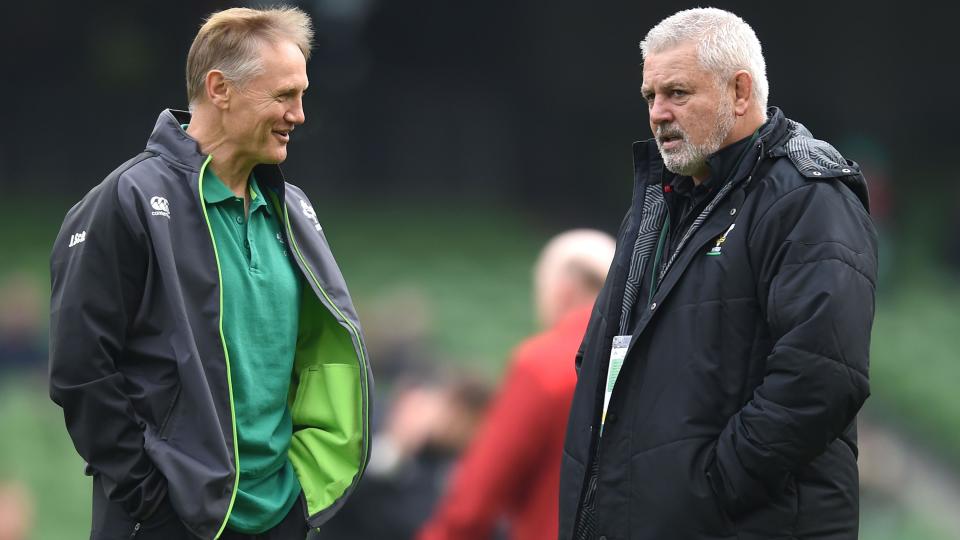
(283,135)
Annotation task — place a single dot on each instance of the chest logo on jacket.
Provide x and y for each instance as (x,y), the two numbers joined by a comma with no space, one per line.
(717,249)
(160,207)
(310,213)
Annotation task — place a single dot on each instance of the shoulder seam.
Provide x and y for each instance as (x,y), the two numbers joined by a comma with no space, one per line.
(118,173)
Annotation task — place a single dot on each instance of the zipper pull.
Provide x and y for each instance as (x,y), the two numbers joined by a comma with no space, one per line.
(136,529)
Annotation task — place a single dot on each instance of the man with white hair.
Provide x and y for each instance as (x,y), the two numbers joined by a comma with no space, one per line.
(511,471)
(203,345)
(726,360)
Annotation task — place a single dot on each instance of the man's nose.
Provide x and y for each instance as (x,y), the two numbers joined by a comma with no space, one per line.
(295,114)
(660,111)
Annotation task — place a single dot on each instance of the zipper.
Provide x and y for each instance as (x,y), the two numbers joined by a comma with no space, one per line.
(350,326)
(226,356)
(136,529)
(588,491)
(588,500)
(302,499)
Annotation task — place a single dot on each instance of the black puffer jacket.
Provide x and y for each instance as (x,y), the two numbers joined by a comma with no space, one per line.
(734,414)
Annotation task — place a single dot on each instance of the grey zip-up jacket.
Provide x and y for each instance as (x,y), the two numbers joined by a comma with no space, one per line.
(138,360)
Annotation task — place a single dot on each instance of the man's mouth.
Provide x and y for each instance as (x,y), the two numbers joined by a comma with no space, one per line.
(670,141)
(282,134)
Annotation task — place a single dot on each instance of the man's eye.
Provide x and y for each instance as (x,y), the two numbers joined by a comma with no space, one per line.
(678,93)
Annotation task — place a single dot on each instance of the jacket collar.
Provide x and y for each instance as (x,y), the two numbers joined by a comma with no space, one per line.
(774,133)
(171,141)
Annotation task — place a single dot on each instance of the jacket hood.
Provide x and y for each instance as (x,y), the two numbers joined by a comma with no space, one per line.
(813,158)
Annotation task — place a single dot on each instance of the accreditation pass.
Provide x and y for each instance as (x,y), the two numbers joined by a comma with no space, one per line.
(617,353)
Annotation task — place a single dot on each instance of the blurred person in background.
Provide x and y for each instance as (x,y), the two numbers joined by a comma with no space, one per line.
(510,474)
(726,360)
(429,423)
(16,511)
(22,332)
(204,347)
(400,347)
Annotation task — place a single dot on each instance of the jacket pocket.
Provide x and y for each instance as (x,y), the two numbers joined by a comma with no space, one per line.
(669,483)
(167,424)
(328,397)
(774,520)
(728,522)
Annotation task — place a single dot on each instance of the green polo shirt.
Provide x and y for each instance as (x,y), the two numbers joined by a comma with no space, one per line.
(261,306)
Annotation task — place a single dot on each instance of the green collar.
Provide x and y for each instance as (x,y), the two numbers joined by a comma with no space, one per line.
(215,191)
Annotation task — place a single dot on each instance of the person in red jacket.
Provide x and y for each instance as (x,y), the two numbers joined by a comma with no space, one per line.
(510,473)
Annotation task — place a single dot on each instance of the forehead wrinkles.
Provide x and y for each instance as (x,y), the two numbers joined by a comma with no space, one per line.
(281,75)
(674,66)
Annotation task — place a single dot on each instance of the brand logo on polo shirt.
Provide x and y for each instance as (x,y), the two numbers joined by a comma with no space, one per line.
(717,249)
(160,207)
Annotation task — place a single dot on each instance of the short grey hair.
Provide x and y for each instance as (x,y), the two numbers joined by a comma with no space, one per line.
(725,45)
(229,41)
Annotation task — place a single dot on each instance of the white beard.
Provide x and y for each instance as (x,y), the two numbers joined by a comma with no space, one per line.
(688,158)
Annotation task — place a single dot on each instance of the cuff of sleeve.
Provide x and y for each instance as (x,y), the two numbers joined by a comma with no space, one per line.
(734,486)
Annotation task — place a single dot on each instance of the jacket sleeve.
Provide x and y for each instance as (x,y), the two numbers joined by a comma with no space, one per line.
(97,275)
(816,270)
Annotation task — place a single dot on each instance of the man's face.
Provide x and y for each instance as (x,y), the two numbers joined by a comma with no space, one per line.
(264,111)
(690,115)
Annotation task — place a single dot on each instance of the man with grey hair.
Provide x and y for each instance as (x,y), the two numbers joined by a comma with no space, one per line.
(203,345)
(726,358)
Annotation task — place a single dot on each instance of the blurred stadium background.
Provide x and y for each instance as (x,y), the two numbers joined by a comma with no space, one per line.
(445,142)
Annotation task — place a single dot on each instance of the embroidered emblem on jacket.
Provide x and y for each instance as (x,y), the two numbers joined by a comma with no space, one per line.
(716,250)
(160,207)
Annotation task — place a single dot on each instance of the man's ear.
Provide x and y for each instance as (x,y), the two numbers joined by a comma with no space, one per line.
(743,92)
(218,89)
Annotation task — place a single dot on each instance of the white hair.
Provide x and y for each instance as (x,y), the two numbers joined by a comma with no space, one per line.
(725,45)
(571,269)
